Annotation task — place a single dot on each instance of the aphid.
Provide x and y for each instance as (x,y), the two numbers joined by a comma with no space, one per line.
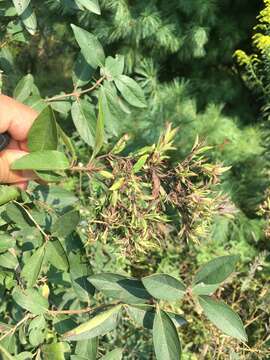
(4,140)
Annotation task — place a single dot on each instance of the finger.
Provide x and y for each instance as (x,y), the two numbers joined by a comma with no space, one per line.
(14,145)
(23,146)
(16,118)
(22,185)
(8,176)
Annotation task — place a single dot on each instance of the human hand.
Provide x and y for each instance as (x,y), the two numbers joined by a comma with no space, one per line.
(17,119)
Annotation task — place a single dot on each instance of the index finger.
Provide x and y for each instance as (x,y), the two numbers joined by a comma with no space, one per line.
(16,118)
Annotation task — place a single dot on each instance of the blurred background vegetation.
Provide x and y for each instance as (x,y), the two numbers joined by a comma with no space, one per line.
(182,52)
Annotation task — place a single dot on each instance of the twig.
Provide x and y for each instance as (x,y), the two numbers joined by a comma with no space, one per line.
(252,320)
(13,330)
(46,236)
(77,94)
(7,355)
(80,311)
(69,312)
(4,44)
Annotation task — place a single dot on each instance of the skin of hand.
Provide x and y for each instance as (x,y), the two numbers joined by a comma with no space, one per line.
(17,119)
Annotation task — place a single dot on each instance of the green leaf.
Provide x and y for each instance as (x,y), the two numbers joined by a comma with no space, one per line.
(166,340)
(43,133)
(8,261)
(116,354)
(36,103)
(29,19)
(49,176)
(120,287)
(91,5)
(223,317)
(90,47)
(24,88)
(32,268)
(42,160)
(143,315)
(54,351)
(82,72)
(6,242)
(212,274)
(112,111)
(140,163)
(8,193)
(55,196)
(25,355)
(87,349)
(56,255)
(114,67)
(68,143)
(164,287)
(21,5)
(99,139)
(84,119)
(6,354)
(18,215)
(130,91)
(177,319)
(31,300)
(66,224)
(79,271)
(61,106)
(99,325)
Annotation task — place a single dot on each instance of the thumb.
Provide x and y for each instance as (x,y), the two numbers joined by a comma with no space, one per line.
(8,176)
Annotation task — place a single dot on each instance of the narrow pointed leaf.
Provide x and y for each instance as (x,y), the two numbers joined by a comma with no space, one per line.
(212,274)
(43,133)
(166,340)
(91,5)
(42,160)
(31,300)
(114,67)
(32,268)
(90,47)
(56,255)
(143,315)
(165,287)
(29,20)
(99,139)
(101,324)
(84,119)
(223,317)
(66,224)
(130,91)
(79,271)
(68,143)
(120,287)
(21,5)
(24,88)
(82,72)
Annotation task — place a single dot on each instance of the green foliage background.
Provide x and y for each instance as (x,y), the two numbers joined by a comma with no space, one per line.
(181,53)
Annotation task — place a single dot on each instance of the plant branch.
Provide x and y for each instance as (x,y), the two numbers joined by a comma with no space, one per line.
(13,330)
(69,312)
(7,355)
(77,94)
(46,236)
(78,311)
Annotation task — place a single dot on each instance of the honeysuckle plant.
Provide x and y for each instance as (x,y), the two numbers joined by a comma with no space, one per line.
(92,194)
